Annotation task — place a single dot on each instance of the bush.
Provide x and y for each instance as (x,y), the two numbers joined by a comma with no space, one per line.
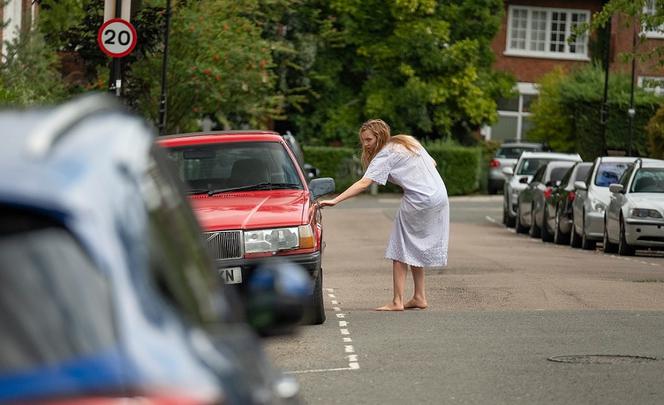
(655,134)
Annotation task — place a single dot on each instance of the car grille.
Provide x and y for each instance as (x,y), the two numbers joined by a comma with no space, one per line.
(224,244)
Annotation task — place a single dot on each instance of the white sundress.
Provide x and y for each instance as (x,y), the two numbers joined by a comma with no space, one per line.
(421,227)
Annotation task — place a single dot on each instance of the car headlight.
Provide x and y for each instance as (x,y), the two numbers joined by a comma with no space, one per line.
(597,205)
(645,213)
(273,240)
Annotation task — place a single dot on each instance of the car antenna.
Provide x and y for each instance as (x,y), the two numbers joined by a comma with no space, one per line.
(56,125)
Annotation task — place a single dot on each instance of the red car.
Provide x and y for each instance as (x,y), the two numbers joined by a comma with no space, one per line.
(253,202)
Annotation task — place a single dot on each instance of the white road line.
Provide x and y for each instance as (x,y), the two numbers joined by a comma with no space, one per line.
(351,366)
(335,302)
(343,323)
(488,218)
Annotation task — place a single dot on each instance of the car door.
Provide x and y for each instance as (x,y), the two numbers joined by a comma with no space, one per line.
(527,196)
(581,197)
(616,201)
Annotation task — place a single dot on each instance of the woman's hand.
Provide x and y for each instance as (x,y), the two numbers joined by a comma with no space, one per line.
(327,203)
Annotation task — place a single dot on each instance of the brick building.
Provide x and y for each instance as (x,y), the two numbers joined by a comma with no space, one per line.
(532,40)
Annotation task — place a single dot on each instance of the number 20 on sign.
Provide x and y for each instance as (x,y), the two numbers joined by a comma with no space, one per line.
(117,38)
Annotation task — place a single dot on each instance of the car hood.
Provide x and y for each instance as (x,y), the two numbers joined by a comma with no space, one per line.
(250,210)
(647,200)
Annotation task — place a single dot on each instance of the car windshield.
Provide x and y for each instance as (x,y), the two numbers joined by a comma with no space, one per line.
(513,152)
(529,166)
(648,180)
(54,303)
(235,166)
(610,173)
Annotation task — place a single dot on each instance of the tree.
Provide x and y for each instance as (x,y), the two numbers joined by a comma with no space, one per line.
(551,122)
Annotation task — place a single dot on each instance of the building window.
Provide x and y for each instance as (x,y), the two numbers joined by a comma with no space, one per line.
(650,30)
(546,32)
(513,116)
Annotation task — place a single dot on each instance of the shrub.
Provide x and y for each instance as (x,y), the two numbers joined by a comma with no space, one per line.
(655,134)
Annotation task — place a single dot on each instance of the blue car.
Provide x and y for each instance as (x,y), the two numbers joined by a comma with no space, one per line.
(107,294)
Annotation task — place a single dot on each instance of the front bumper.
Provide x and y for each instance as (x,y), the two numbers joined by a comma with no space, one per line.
(594,225)
(645,233)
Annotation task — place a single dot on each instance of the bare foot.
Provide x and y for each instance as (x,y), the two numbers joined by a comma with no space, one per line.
(390,307)
(416,304)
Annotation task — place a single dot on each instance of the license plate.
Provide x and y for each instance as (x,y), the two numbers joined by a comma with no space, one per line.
(231,275)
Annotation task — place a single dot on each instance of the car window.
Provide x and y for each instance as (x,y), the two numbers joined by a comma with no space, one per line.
(513,152)
(179,263)
(609,173)
(539,174)
(557,173)
(648,180)
(237,164)
(55,304)
(627,175)
(582,172)
(530,165)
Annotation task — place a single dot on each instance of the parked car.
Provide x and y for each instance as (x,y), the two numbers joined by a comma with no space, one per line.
(506,156)
(520,176)
(558,210)
(592,197)
(107,294)
(635,213)
(532,201)
(254,204)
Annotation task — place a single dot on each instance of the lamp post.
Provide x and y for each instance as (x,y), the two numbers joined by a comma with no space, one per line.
(164,71)
(632,111)
(604,112)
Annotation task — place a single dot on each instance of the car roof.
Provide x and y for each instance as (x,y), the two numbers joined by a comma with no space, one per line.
(521,144)
(617,159)
(647,162)
(551,155)
(194,138)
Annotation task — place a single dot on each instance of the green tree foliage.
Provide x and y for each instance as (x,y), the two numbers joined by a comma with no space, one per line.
(655,135)
(424,66)
(29,72)
(551,123)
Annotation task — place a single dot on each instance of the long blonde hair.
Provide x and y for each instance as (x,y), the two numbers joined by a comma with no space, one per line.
(381,131)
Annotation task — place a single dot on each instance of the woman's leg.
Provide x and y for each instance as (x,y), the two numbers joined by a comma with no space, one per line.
(399,271)
(419,299)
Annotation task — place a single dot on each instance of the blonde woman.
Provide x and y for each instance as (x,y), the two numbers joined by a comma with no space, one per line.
(420,234)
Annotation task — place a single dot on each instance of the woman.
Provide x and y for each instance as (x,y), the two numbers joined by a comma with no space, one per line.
(421,228)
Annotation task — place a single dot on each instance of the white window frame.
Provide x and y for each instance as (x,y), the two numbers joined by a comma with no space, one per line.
(523,89)
(546,54)
(649,8)
(658,89)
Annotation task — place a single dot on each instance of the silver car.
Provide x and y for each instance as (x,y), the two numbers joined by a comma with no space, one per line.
(519,177)
(592,198)
(635,214)
(506,156)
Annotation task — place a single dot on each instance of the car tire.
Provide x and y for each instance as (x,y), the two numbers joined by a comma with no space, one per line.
(586,244)
(558,237)
(508,220)
(574,237)
(546,235)
(517,225)
(608,247)
(316,314)
(623,248)
(534,231)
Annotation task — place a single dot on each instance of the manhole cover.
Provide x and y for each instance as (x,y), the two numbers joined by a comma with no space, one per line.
(601,359)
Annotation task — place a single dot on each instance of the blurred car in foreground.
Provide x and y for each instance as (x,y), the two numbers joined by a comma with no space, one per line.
(506,156)
(254,203)
(532,201)
(520,176)
(558,213)
(592,197)
(107,295)
(635,214)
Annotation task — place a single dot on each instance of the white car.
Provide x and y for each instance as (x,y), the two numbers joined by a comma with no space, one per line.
(520,176)
(592,197)
(635,215)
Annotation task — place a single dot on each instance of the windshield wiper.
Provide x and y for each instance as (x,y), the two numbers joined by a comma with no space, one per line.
(286,186)
(259,186)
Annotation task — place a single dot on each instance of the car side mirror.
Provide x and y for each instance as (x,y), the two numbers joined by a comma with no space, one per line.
(523,180)
(508,171)
(580,185)
(616,188)
(277,298)
(322,186)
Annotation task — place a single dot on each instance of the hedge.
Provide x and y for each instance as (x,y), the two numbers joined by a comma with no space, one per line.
(458,166)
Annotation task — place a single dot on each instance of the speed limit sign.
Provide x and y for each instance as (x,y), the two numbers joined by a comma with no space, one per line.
(117,37)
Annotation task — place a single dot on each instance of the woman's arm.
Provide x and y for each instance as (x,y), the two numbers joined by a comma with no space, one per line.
(355,189)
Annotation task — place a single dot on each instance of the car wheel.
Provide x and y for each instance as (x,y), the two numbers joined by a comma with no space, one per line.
(517,225)
(574,237)
(535,230)
(505,216)
(546,235)
(317,311)
(608,246)
(623,248)
(558,237)
(509,220)
(586,244)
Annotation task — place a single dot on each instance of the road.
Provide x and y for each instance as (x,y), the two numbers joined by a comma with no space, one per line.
(500,313)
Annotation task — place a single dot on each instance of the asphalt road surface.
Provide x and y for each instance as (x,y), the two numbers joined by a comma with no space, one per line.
(511,320)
